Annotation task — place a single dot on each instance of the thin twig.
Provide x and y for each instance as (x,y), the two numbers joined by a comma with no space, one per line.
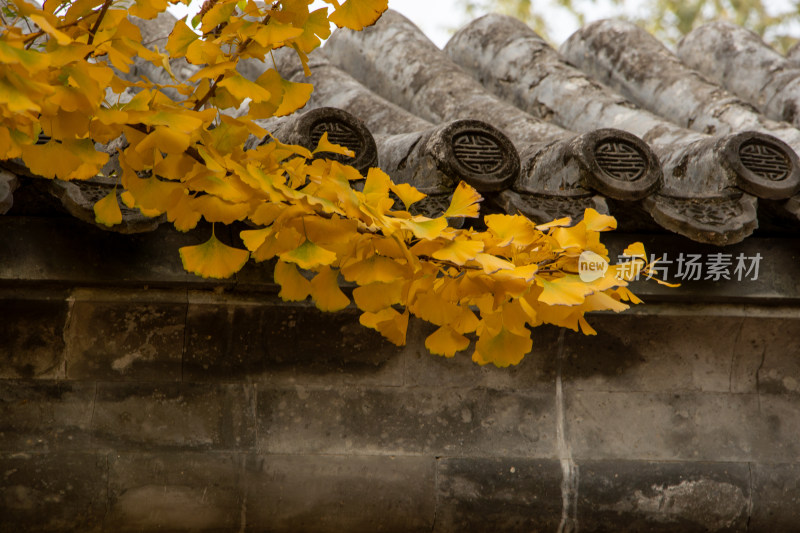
(100,18)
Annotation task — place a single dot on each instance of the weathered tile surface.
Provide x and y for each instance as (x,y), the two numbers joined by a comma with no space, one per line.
(152,416)
(126,339)
(45,416)
(498,494)
(340,493)
(390,421)
(174,491)
(64,491)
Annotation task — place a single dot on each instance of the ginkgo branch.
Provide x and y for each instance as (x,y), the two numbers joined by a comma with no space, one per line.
(100,17)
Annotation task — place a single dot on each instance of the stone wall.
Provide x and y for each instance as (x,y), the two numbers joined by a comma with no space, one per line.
(134,397)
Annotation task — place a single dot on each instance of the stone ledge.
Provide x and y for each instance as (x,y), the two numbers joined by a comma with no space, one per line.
(67,252)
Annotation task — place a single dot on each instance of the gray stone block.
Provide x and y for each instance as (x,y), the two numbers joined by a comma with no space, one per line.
(536,372)
(767,356)
(244,339)
(405,421)
(171,491)
(662,426)
(64,491)
(776,498)
(126,336)
(31,336)
(78,253)
(652,353)
(336,493)
(45,416)
(498,494)
(616,496)
(158,416)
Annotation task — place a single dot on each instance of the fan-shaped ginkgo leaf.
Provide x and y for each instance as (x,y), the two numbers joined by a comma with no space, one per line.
(325,290)
(107,211)
(372,269)
(389,323)
(569,290)
(294,287)
(446,341)
(502,349)
(512,228)
(376,296)
(325,145)
(594,221)
(408,194)
(308,255)
(459,251)
(464,202)
(213,259)
(356,14)
(180,39)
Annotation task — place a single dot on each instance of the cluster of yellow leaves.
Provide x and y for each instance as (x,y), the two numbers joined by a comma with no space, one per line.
(60,81)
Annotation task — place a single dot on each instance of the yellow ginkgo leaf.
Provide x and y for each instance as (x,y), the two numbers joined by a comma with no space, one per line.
(213,259)
(464,202)
(389,323)
(148,9)
(568,290)
(217,210)
(459,251)
(635,250)
(241,88)
(357,14)
(308,256)
(408,194)
(212,71)
(282,241)
(294,287)
(325,290)
(594,221)
(254,238)
(423,227)
(180,39)
(446,341)
(60,37)
(492,264)
(107,211)
(275,33)
(565,221)
(376,296)
(325,145)
(220,13)
(432,308)
(511,228)
(502,349)
(372,269)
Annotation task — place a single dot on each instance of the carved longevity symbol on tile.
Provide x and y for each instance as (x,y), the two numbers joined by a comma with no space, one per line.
(764,161)
(620,159)
(338,133)
(478,152)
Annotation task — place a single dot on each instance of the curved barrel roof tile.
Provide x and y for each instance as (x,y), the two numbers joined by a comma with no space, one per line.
(590,125)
